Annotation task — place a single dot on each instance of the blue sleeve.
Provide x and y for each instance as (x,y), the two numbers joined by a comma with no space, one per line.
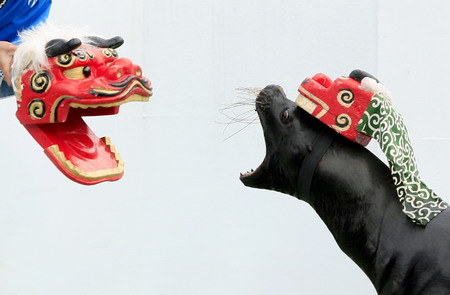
(19,15)
(5,90)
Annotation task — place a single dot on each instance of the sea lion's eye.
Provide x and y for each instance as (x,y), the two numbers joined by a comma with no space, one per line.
(284,116)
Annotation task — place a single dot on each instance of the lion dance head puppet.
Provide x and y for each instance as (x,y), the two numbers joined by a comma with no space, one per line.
(359,108)
(59,78)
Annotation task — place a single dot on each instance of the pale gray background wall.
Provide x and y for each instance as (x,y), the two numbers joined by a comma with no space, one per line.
(180,221)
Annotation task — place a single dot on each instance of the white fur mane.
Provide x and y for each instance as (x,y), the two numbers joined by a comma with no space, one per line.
(371,85)
(30,54)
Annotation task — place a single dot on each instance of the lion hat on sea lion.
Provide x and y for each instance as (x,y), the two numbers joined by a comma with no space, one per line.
(60,75)
(359,108)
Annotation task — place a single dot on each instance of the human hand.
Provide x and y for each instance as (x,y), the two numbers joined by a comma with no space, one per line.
(6,59)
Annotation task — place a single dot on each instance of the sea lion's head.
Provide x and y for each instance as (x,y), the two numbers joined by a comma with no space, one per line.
(289,132)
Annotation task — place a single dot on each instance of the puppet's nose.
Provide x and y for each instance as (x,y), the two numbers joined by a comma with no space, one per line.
(122,67)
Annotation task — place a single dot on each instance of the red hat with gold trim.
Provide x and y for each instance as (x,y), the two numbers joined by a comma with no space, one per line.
(339,104)
(360,108)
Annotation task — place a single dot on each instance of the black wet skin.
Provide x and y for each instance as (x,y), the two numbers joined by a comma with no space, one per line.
(353,193)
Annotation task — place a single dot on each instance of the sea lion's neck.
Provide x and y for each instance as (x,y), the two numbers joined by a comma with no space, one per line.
(353,193)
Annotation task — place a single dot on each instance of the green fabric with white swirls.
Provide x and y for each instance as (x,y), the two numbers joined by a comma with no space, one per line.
(386,125)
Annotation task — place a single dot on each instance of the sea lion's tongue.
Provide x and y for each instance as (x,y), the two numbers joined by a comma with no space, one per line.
(77,151)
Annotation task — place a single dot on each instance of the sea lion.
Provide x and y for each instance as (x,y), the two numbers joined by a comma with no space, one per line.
(353,193)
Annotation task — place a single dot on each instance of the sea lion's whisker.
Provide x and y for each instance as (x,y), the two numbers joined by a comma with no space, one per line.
(242,116)
(248,124)
(247,98)
(239,117)
(248,91)
(243,119)
(239,104)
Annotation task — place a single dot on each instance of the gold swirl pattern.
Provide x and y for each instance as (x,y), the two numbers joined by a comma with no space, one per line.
(65,60)
(343,122)
(346,97)
(40,82)
(36,109)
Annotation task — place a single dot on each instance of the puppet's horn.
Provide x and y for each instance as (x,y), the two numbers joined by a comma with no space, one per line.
(57,47)
(114,42)
(358,75)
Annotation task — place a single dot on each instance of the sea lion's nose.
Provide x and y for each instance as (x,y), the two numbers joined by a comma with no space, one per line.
(272,90)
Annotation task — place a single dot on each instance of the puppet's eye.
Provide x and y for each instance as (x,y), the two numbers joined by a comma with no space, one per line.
(77,73)
(284,116)
(86,71)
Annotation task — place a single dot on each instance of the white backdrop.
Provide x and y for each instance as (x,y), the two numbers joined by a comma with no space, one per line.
(180,221)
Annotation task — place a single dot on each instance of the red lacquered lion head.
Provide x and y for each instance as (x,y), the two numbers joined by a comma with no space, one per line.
(340,104)
(78,78)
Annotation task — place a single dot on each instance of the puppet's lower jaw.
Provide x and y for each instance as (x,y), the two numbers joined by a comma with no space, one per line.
(78,152)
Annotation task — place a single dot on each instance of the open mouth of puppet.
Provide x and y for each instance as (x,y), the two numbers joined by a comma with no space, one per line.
(73,147)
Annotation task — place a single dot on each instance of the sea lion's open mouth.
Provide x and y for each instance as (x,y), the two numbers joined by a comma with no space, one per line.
(258,177)
(79,80)
(255,177)
(245,176)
